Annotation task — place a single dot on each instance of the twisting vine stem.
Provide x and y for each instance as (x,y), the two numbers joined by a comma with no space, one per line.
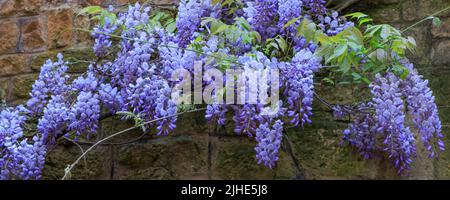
(425,19)
(71,166)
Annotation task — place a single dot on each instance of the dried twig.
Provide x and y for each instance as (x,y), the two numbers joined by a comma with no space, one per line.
(70,167)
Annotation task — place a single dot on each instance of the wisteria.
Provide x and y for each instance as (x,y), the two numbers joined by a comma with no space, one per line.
(189,18)
(102,37)
(133,77)
(52,124)
(111,98)
(52,81)
(84,114)
(269,141)
(423,110)
(390,94)
(298,77)
(332,24)
(261,14)
(362,134)
(19,159)
(316,6)
(390,119)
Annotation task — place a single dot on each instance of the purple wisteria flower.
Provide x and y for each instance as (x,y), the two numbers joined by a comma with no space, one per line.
(262,15)
(19,159)
(269,141)
(52,81)
(423,110)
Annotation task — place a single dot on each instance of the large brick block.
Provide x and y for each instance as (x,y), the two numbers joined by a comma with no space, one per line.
(9,36)
(60,27)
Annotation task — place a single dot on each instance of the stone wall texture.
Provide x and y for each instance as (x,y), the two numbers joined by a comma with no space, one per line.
(32,31)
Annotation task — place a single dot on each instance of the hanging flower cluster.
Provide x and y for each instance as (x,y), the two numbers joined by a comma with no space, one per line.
(135,77)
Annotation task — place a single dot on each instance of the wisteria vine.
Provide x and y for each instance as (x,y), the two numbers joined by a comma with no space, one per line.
(137,82)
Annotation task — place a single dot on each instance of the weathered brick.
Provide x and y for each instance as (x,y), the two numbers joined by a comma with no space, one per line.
(4,88)
(54,3)
(97,2)
(82,38)
(389,1)
(387,14)
(19,7)
(9,36)
(439,53)
(13,64)
(60,33)
(409,10)
(422,54)
(161,158)
(73,56)
(22,85)
(93,167)
(33,35)
(443,31)
(7,7)
(428,7)
(234,158)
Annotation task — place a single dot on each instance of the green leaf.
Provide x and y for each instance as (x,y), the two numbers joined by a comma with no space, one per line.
(340,50)
(404,74)
(357,15)
(171,26)
(372,30)
(322,38)
(364,21)
(328,80)
(356,76)
(218,29)
(365,80)
(384,32)
(91,10)
(244,23)
(207,20)
(437,22)
(290,22)
(323,51)
(282,44)
(257,36)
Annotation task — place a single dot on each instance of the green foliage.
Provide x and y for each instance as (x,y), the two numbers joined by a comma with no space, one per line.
(157,18)
(278,47)
(231,6)
(241,29)
(359,52)
(99,14)
(138,121)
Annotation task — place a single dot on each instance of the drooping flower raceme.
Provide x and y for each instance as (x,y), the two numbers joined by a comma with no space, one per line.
(102,37)
(111,97)
(423,110)
(86,84)
(52,124)
(52,81)
(362,134)
(269,141)
(19,159)
(332,25)
(134,62)
(298,81)
(190,13)
(84,114)
(315,6)
(287,11)
(388,121)
(262,14)
(138,81)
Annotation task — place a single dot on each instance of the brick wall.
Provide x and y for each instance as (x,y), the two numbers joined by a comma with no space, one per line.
(32,31)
